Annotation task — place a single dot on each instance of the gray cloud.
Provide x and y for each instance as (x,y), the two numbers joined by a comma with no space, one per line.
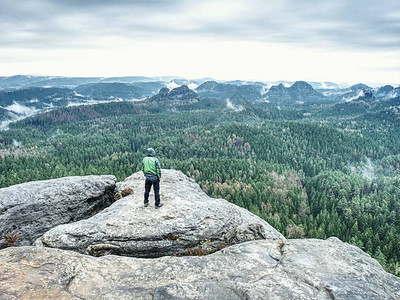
(78,23)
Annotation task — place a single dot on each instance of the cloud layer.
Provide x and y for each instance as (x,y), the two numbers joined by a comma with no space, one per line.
(313,40)
(71,23)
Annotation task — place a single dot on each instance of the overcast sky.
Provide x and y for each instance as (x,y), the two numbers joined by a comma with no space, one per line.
(315,40)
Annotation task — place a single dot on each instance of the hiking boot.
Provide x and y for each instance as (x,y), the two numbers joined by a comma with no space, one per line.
(146,204)
(159,205)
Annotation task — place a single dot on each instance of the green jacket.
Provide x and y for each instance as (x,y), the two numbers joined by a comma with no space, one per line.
(151,166)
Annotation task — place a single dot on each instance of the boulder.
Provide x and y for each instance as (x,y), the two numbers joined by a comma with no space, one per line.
(30,209)
(262,269)
(190,222)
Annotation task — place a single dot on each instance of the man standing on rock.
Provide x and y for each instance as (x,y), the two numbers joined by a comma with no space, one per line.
(152,171)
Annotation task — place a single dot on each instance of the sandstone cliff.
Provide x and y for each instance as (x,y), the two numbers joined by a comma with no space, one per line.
(189,219)
(250,259)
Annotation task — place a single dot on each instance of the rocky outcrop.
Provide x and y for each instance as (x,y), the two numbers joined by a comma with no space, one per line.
(188,222)
(294,269)
(278,92)
(33,208)
(300,90)
(177,95)
(254,261)
(386,92)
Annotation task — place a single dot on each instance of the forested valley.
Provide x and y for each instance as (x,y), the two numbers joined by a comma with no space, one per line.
(313,176)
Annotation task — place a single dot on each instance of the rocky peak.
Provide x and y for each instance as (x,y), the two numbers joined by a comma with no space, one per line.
(359,87)
(301,86)
(279,87)
(164,91)
(385,89)
(387,92)
(368,95)
(181,93)
(301,90)
(278,92)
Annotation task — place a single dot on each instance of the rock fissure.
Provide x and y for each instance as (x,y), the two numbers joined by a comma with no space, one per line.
(69,282)
(281,245)
(36,266)
(329,293)
(274,258)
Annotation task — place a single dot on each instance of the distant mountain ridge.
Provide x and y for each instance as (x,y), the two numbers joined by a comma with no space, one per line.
(34,95)
(22,95)
(252,90)
(115,90)
(23,81)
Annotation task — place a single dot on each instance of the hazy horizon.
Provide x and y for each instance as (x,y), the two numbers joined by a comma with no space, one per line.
(171,78)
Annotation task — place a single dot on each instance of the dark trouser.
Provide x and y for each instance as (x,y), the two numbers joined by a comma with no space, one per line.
(156,185)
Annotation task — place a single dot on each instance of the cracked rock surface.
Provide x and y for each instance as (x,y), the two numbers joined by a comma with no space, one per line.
(32,208)
(188,220)
(262,269)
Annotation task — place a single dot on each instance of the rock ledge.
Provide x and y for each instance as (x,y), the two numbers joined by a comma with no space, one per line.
(188,220)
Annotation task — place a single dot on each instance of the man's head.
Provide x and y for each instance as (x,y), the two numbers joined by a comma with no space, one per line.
(151,152)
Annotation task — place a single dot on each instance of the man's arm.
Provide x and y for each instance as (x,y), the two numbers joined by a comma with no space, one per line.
(158,167)
(142,166)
